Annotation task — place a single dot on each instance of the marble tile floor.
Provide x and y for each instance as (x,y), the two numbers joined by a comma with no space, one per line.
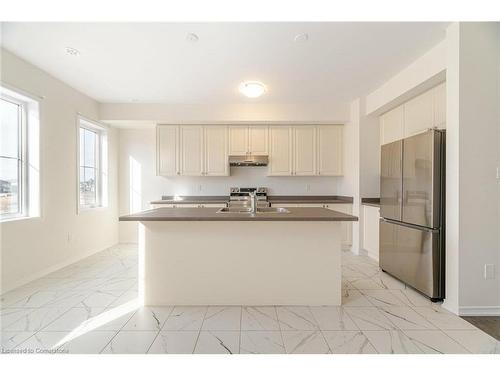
(91,307)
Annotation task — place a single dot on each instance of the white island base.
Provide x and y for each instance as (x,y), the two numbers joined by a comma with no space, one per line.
(240,262)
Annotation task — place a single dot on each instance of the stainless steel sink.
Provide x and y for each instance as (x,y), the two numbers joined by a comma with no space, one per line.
(260,210)
(234,210)
(273,210)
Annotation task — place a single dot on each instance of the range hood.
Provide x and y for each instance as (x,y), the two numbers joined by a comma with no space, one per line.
(248,160)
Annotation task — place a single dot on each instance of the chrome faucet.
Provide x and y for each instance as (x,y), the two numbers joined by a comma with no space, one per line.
(253,202)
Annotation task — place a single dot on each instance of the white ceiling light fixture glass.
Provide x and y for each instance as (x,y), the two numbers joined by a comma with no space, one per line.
(252,89)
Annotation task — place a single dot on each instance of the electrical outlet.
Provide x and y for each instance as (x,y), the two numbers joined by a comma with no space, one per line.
(69,237)
(308,187)
(489,271)
(200,187)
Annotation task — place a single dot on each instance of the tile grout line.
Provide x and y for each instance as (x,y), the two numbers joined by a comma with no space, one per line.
(320,331)
(279,326)
(159,331)
(117,332)
(241,318)
(199,332)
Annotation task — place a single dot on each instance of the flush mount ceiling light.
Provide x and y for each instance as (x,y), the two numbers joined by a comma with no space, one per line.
(300,38)
(72,51)
(192,37)
(252,89)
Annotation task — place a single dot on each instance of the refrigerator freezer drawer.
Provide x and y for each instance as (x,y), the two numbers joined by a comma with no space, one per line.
(414,256)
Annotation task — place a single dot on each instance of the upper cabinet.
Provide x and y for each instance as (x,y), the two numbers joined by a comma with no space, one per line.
(307,150)
(248,140)
(330,146)
(238,140)
(191,150)
(423,112)
(167,150)
(191,142)
(300,150)
(304,150)
(391,125)
(418,114)
(215,151)
(280,151)
(258,142)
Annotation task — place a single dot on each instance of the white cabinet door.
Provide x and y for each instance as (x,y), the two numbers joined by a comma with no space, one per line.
(418,114)
(304,150)
(329,150)
(440,106)
(258,140)
(371,219)
(191,139)
(391,126)
(167,150)
(216,160)
(238,140)
(346,226)
(280,152)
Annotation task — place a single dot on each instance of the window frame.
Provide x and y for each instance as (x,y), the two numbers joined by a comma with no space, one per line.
(101,132)
(22,157)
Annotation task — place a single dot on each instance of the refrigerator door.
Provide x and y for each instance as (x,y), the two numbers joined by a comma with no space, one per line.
(390,180)
(422,179)
(413,255)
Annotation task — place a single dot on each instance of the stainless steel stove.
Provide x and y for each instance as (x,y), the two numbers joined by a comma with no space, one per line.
(240,196)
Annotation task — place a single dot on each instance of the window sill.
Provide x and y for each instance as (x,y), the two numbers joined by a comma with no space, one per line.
(18,218)
(82,210)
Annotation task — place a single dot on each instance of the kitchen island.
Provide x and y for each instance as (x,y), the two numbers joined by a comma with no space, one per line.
(199,256)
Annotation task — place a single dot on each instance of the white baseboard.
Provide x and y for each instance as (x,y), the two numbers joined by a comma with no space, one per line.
(48,270)
(479,311)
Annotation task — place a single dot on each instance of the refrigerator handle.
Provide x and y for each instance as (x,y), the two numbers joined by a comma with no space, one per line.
(425,229)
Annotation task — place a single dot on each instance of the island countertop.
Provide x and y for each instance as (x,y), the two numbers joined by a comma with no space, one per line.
(272,199)
(211,214)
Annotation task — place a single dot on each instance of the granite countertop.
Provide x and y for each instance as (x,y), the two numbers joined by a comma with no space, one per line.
(210,214)
(375,202)
(272,199)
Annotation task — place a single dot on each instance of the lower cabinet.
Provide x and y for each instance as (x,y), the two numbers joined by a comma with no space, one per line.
(371,222)
(340,207)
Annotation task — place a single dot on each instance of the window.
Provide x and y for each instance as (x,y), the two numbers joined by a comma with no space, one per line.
(19,155)
(92,180)
(11,157)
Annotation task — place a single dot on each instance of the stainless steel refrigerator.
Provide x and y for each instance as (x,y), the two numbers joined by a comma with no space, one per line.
(412,187)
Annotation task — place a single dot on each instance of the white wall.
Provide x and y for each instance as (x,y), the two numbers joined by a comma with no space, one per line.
(361,164)
(137,151)
(32,247)
(470,57)
(349,184)
(473,154)
(419,76)
(123,113)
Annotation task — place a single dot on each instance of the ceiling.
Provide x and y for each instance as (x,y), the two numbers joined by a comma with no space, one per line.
(154,62)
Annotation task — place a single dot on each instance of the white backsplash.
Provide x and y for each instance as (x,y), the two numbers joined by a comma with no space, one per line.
(250,177)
